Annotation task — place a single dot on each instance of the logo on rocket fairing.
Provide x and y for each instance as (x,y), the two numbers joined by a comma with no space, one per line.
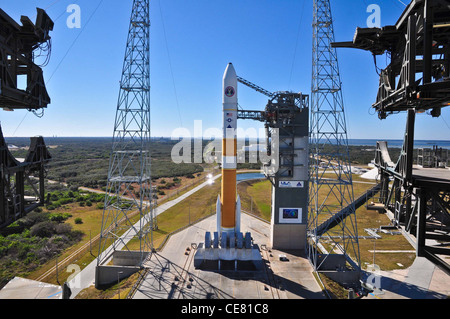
(229,91)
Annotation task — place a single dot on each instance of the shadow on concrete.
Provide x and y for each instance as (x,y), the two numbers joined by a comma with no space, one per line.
(296,289)
(167,280)
(287,285)
(401,288)
(277,284)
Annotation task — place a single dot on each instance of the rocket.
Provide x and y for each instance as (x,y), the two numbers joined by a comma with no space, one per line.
(228,205)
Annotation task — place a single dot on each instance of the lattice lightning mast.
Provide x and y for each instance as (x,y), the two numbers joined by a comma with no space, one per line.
(332,222)
(129,192)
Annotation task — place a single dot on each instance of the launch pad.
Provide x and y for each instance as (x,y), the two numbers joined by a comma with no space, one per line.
(230,251)
(171,274)
(286,122)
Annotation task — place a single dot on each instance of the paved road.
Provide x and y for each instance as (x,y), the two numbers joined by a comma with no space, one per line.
(86,277)
(163,207)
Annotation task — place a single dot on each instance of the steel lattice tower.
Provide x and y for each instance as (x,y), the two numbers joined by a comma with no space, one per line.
(332,222)
(128,214)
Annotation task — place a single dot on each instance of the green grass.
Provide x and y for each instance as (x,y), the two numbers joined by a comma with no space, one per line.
(197,206)
(112,292)
(256,198)
(386,261)
(202,204)
(260,193)
(91,226)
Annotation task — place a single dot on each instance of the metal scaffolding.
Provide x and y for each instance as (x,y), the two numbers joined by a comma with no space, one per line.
(20,47)
(416,80)
(127,221)
(22,87)
(286,120)
(332,232)
(22,182)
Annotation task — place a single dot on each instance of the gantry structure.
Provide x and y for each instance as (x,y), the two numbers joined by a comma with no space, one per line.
(333,245)
(22,87)
(416,80)
(127,222)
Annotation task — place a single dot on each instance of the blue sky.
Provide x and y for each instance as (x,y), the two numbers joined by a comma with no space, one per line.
(268,41)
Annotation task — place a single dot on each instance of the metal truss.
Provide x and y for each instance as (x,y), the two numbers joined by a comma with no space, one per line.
(16,177)
(417,198)
(127,222)
(283,113)
(281,121)
(417,80)
(19,46)
(332,228)
(255,87)
(418,49)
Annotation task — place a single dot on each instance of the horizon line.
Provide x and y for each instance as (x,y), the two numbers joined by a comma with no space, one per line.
(211,137)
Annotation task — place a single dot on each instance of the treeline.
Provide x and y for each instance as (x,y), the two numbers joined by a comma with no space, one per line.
(84,162)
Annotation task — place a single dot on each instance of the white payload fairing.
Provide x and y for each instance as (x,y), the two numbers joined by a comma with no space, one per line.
(228,203)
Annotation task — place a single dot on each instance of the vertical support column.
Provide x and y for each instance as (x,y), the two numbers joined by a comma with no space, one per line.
(41,184)
(384,192)
(20,190)
(410,53)
(421,222)
(408,194)
(397,187)
(3,207)
(427,41)
(404,165)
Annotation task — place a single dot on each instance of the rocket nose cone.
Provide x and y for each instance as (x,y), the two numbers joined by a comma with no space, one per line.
(229,71)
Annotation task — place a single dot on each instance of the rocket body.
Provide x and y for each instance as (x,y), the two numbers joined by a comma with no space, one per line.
(229,214)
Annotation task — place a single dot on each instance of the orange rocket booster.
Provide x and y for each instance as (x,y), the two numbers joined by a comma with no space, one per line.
(229,207)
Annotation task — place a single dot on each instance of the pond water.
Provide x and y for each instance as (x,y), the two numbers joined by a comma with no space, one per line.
(248,176)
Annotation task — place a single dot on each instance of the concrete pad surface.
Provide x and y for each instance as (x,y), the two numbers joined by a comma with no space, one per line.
(171,273)
(21,288)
